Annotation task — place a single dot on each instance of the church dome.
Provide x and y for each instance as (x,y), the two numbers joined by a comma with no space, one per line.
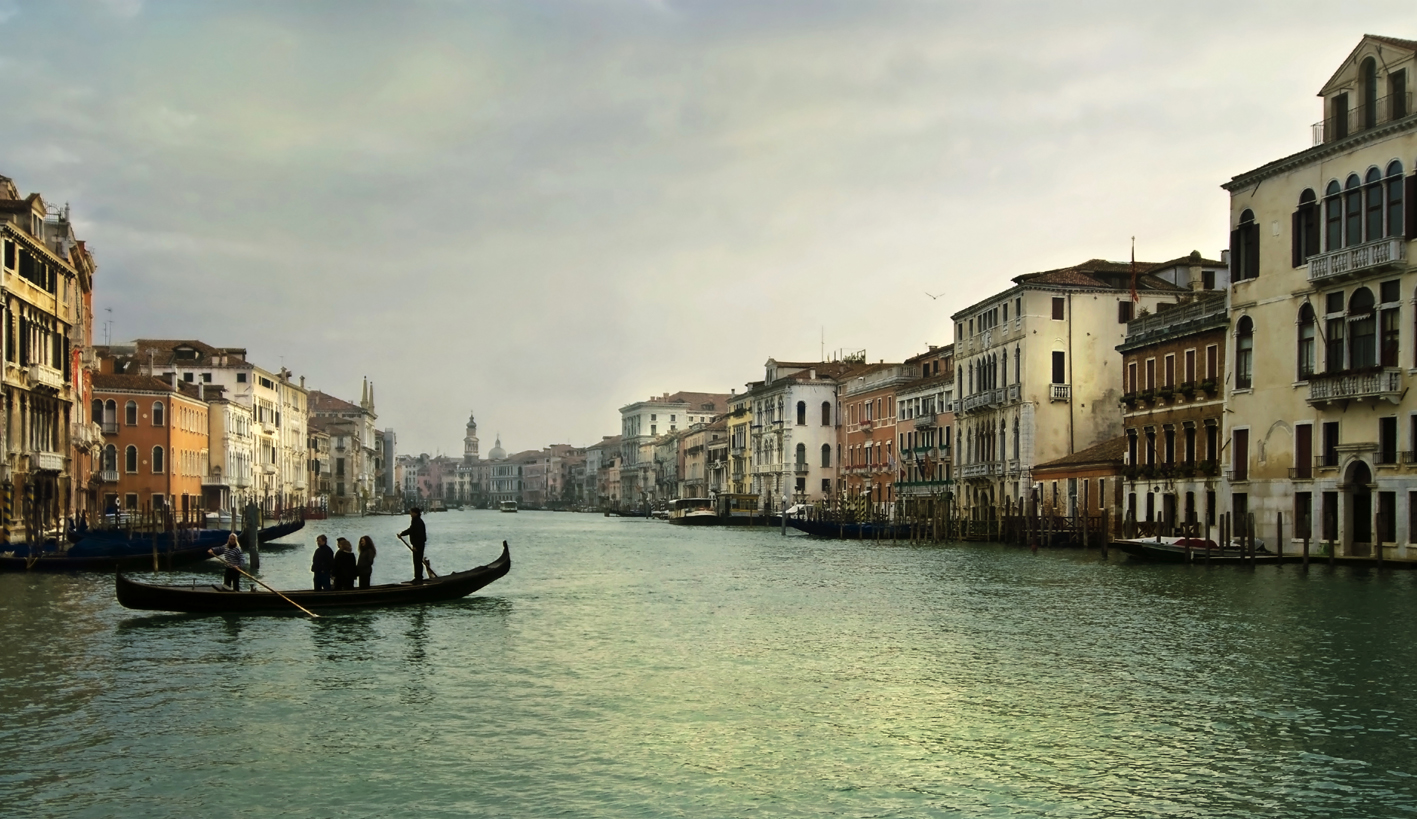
(497,453)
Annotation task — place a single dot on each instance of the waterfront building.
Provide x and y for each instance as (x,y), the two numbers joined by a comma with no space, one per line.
(156,443)
(925,438)
(642,422)
(1088,481)
(1038,376)
(740,458)
(716,474)
(869,411)
(352,437)
(1173,410)
(318,478)
(599,458)
(231,451)
(46,281)
(279,408)
(1321,423)
(694,459)
(793,431)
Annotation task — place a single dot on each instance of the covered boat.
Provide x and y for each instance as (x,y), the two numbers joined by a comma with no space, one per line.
(209,599)
(692,512)
(1188,549)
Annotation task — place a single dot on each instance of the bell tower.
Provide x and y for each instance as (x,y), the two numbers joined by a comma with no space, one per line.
(469,442)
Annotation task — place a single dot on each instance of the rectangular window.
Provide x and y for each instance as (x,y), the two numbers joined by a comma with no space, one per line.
(1190,444)
(1387,440)
(1124,311)
(1170,372)
(1190,366)
(1212,442)
(1303,515)
(1131,376)
(1388,345)
(1330,444)
(1057,309)
(1397,94)
(1387,517)
(1303,451)
(1212,359)
(1170,446)
(241,378)
(1150,374)
(1210,507)
(1207,279)
(1333,346)
(1059,368)
(1329,513)
(1240,455)
(130,501)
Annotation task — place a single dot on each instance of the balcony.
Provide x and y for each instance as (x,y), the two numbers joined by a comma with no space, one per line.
(214,478)
(109,476)
(926,422)
(268,428)
(799,468)
(45,376)
(1342,122)
(1372,257)
(1013,393)
(269,469)
(1327,461)
(983,400)
(866,426)
(1060,393)
(46,462)
(1377,385)
(110,427)
(983,470)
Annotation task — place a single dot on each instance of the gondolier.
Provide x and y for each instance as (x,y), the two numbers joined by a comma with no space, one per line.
(234,559)
(417,539)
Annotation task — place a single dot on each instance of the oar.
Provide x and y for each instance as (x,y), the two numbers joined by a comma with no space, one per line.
(273,591)
(426,564)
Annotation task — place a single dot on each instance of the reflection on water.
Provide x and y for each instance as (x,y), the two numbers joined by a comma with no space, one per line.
(629,668)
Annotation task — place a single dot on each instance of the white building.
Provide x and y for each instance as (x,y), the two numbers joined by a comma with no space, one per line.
(793,433)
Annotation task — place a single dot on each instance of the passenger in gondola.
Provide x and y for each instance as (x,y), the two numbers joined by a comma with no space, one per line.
(366,561)
(234,558)
(346,567)
(83,526)
(323,564)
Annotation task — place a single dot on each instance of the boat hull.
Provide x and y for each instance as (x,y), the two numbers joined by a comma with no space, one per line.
(850,531)
(696,520)
(1173,552)
(116,550)
(212,600)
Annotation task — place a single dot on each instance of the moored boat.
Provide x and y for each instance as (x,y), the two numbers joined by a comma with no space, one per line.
(211,599)
(851,531)
(106,550)
(508,506)
(692,512)
(1188,549)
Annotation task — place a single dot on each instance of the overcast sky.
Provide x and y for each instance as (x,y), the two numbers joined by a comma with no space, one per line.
(544,211)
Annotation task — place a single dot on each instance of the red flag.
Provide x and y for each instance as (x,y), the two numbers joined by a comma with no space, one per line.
(1135,297)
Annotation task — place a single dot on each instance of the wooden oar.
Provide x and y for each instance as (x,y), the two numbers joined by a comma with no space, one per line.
(273,591)
(426,564)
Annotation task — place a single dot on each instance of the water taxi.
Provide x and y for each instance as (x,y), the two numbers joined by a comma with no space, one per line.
(508,506)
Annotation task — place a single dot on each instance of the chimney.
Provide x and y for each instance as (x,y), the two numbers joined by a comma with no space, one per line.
(812,375)
(201,390)
(302,382)
(175,388)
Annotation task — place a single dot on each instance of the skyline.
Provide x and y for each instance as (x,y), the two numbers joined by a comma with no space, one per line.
(398,193)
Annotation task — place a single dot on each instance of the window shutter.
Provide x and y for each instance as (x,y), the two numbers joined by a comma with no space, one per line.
(1409,207)
(1235,273)
(1296,237)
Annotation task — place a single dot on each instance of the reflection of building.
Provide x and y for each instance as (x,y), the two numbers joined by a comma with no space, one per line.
(1320,412)
(46,280)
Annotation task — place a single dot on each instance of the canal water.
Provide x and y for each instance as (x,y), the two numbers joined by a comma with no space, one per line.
(627,668)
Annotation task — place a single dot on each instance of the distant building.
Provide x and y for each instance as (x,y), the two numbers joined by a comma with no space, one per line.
(642,422)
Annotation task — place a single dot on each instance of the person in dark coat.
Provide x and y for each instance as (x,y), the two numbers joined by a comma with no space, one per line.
(417,538)
(346,567)
(323,564)
(365,564)
(233,557)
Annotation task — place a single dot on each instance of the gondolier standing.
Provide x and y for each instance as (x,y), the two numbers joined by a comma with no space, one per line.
(418,538)
(234,558)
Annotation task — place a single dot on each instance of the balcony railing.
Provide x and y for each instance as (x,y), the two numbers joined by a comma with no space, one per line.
(1378,385)
(1369,257)
(799,468)
(1329,461)
(983,470)
(925,421)
(110,427)
(1060,392)
(45,376)
(109,475)
(214,478)
(1340,124)
(46,462)
(1013,393)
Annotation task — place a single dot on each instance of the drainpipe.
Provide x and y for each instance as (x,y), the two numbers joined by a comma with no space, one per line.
(1072,391)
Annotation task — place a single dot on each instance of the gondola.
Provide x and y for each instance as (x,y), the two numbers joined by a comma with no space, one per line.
(280,530)
(850,531)
(208,599)
(107,550)
(1192,550)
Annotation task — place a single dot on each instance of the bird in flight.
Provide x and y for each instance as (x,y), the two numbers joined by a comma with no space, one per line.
(933,296)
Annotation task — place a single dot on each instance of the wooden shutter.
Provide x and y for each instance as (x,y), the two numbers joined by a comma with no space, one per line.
(1235,272)
(1303,450)
(1241,455)
(1296,237)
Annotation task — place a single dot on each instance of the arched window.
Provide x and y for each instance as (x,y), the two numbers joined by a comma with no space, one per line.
(826,455)
(1369,72)
(1363,327)
(97,411)
(110,458)
(1245,247)
(1018,370)
(158,460)
(826,413)
(130,413)
(1244,353)
(1305,232)
(1395,226)
(1333,217)
(1016,439)
(1307,340)
(130,459)
(801,454)
(1352,211)
(1373,209)
(801,413)
(158,417)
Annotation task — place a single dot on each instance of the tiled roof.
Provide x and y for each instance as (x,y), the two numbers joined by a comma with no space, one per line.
(161,350)
(1107,452)
(140,383)
(1193,259)
(324,402)
(1098,273)
(1410,45)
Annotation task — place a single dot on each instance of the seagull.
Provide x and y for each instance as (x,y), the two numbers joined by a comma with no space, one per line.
(933,296)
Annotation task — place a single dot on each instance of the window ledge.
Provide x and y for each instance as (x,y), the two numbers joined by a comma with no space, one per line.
(1242,391)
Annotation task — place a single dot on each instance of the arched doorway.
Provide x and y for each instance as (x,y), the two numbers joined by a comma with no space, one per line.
(1358,492)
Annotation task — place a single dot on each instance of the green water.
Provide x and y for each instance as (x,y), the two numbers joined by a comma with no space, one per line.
(626,668)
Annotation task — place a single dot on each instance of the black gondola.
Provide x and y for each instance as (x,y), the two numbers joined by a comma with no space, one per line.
(851,531)
(116,550)
(215,600)
(280,530)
